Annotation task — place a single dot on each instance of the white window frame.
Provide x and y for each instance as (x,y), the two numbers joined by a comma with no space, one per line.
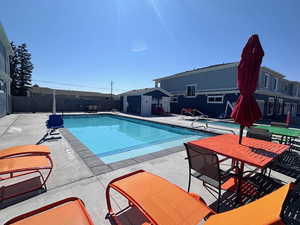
(215,96)
(186,91)
(270,99)
(267,77)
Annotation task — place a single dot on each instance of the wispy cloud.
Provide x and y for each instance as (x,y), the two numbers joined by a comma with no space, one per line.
(142,49)
(139,46)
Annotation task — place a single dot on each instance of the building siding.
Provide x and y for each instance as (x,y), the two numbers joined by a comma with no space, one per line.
(200,103)
(219,79)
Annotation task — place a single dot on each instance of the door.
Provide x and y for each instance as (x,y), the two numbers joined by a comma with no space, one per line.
(166,104)
(125,104)
(146,102)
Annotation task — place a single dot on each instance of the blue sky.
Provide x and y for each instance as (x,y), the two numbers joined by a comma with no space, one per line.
(131,42)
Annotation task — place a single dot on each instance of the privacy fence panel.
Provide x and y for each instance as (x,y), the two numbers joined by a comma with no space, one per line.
(64,103)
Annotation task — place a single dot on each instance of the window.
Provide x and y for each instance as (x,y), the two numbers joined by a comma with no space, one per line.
(298,91)
(266,81)
(2,86)
(191,90)
(298,108)
(270,106)
(286,87)
(218,99)
(279,106)
(275,84)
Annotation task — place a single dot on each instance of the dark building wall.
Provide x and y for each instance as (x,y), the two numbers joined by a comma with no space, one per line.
(275,116)
(134,104)
(200,102)
(64,103)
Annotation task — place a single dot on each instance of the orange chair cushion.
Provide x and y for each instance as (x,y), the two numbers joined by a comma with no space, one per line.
(24,163)
(264,211)
(71,213)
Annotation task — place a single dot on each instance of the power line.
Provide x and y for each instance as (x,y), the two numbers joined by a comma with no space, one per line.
(75,85)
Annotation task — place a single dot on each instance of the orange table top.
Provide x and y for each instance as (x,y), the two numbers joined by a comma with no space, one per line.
(252,151)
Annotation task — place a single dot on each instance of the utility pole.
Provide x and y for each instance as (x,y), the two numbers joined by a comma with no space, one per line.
(111,95)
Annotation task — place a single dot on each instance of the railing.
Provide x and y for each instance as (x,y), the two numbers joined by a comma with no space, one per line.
(205,119)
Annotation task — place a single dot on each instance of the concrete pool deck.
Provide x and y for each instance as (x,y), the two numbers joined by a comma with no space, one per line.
(72,177)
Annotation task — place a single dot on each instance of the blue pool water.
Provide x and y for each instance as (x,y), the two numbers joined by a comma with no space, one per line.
(114,138)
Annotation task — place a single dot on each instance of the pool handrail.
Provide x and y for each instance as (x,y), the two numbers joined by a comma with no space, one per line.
(207,120)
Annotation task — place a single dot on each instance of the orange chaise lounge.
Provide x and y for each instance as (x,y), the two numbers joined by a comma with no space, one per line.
(23,160)
(22,150)
(163,203)
(70,211)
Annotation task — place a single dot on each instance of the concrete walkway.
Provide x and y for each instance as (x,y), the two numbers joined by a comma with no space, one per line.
(71,177)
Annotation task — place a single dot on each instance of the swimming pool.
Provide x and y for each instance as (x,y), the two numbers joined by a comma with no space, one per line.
(114,138)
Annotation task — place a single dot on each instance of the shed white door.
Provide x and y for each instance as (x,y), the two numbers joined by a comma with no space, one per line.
(125,104)
(166,104)
(146,103)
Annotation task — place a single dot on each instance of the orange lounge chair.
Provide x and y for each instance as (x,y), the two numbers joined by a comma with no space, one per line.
(70,211)
(23,150)
(159,200)
(163,203)
(12,167)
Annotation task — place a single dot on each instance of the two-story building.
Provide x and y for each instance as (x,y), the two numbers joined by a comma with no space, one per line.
(5,80)
(213,91)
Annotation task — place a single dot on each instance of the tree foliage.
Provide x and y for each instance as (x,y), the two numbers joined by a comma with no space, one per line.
(20,70)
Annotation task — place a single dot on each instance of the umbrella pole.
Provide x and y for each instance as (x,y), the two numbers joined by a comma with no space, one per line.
(241,133)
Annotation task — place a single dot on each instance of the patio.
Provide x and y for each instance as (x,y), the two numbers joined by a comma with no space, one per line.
(72,177)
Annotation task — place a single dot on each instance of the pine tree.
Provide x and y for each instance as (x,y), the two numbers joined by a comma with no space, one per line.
(14,69)
(20,70)
(26,67)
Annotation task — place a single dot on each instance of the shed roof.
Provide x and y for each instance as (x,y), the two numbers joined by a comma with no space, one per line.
(145,91)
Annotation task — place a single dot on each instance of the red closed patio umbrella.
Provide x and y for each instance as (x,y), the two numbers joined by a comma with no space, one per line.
(246,111)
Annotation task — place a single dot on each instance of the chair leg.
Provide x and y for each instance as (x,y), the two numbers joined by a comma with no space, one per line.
(219,197)
(189,181)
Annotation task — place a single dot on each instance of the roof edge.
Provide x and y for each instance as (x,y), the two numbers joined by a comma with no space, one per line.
(202,69)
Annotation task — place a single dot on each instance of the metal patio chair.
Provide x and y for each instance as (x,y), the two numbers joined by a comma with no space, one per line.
(259,133)
(205,166)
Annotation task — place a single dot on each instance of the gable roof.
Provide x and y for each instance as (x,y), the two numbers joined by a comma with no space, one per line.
(203,69)
(145,91)
(5,41)
(217,67)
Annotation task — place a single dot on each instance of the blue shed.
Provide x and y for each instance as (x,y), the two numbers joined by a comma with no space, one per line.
(146,102)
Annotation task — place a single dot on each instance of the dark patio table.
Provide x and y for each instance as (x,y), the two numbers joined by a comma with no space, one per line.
(288,134)
(257,153)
